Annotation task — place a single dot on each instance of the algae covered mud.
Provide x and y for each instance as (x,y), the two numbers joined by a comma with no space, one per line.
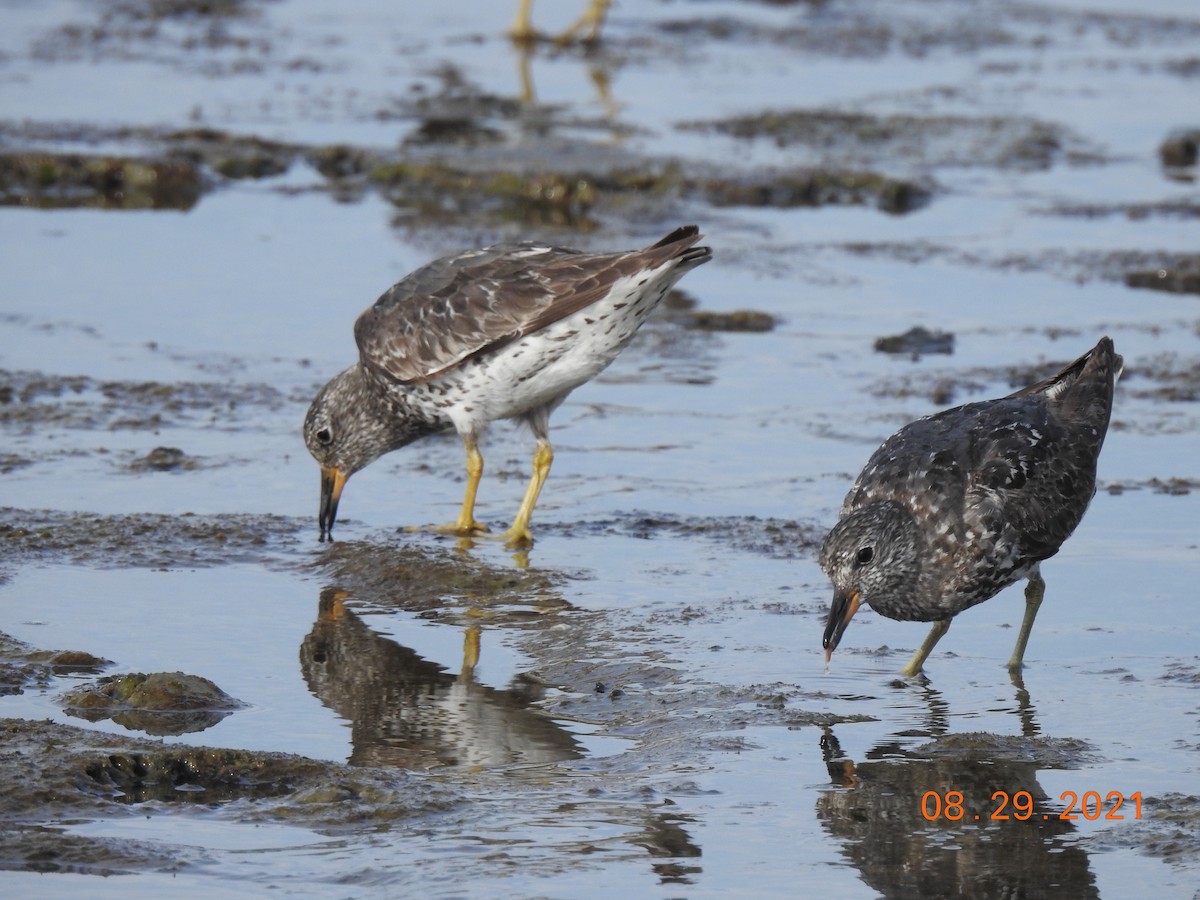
(912,205)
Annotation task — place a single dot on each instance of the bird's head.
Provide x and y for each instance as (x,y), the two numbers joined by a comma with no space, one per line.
(873,556)
(349,425)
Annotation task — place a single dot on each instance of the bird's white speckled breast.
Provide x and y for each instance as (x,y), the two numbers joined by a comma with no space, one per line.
(540,369)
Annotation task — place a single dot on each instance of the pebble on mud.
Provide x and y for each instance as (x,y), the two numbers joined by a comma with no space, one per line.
(1180,149)
(749,320)
(164,459)
(916,341)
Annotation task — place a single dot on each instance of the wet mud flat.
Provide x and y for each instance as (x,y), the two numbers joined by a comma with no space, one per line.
(62,774)
(914,205)
(432,749)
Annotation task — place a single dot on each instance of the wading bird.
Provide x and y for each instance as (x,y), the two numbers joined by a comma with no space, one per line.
(956,506)
(506,332)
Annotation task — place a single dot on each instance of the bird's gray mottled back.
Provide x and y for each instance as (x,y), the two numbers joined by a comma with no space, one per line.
(447,311)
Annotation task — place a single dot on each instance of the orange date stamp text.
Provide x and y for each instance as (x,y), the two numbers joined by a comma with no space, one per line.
(951,807)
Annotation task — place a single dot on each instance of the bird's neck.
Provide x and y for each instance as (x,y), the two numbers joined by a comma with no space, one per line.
(390,403)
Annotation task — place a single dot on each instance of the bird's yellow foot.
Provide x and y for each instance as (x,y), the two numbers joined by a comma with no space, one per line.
(516,538)
(911,671)
(461,529)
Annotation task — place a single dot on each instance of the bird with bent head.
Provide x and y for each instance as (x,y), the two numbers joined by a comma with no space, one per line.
(957,506)
(505,332)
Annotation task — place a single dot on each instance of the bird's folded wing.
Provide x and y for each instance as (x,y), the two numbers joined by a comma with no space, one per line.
(455,308)
(1031,480)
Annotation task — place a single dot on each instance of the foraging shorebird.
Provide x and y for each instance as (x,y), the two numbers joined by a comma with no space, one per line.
(506,332)
(958,505)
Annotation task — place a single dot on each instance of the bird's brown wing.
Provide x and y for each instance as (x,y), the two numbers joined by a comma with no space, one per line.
(459,306)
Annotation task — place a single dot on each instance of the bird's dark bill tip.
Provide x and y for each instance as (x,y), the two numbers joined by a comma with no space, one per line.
(332,482)
(841,611)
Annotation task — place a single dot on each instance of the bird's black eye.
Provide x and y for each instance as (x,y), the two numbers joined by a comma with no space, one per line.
(325,436)
(865,555)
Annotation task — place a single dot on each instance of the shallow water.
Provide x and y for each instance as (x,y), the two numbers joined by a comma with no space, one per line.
(650,711)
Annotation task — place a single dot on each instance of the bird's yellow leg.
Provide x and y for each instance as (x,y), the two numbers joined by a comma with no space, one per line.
(586,28)
(1035,590)
(935,634)
(528,95)
(522,28)
(470,652)
(466,525)
(588,24)
(519,534)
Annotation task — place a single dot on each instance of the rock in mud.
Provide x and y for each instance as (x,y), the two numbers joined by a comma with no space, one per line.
(159,703)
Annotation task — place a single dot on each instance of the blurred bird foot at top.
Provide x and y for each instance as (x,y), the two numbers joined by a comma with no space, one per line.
(586,28)
(506,332)
(956,506)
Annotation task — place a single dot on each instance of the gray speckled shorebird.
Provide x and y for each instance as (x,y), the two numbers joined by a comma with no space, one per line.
(956,506)
(506,332)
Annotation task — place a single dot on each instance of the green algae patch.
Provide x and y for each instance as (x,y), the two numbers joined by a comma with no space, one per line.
(59,181)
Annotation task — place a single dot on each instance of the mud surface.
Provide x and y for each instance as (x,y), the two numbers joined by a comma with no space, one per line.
(912,205)
(90,774)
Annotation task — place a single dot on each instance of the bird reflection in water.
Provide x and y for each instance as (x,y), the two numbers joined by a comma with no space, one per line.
(664,837)
(581,38)
(409,712)
(904,849)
